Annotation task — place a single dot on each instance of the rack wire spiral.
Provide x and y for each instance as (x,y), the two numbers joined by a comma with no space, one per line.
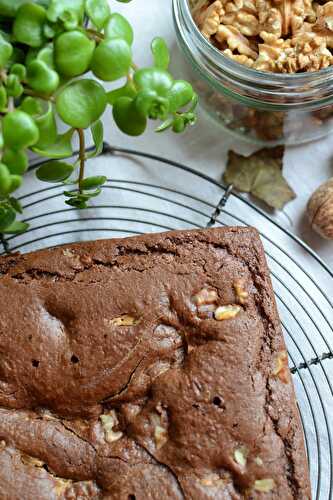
(303,284)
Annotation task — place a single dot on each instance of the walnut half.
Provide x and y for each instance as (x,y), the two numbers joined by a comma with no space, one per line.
(109,421)
(223,313)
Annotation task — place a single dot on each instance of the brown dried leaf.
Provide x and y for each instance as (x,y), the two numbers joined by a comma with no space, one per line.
(261,175)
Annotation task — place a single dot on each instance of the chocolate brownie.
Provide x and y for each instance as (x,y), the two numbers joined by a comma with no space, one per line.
(151,367)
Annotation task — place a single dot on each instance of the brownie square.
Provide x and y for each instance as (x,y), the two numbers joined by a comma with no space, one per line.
(143,368)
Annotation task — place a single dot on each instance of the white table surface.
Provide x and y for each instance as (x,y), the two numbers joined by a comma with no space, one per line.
(204,147)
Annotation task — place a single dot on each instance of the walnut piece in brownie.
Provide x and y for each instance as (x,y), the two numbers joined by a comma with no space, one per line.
(150,367)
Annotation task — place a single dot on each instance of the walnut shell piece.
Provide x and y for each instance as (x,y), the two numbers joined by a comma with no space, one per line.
(320,210)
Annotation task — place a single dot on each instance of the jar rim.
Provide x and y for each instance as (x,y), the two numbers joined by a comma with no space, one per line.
(288,89)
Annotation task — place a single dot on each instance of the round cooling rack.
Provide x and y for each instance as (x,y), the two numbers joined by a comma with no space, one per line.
(141,197)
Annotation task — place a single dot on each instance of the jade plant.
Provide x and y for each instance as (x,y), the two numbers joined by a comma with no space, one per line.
(55,56)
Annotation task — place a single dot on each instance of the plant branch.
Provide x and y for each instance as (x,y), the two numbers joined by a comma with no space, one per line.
(32,93)
(82,156)
(95,34)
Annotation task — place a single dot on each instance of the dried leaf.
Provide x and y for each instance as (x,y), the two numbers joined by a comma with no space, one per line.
(261,175)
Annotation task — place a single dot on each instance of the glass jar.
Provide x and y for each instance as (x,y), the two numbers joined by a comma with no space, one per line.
(264,108)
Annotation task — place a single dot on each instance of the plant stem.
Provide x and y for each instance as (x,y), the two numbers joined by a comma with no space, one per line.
(39,96)
(95,34)
(11,105)
(82,156)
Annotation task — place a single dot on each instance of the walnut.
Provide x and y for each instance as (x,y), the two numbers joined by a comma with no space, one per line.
(280,36)
(240,455)
(227,312)
(28,460)
(208,18)
(124,320)
(109,421)
(304,52)
(160,432)
(283,17)
(275,55)
(281,369)
(242,14)
(320,210)
(235,40)
(62,485)
(264,485)
(205,296)
(212,480)
(205,301)
(311,52)
(241,293)
(270,18)
(324,23)
(68,253)
(240,58)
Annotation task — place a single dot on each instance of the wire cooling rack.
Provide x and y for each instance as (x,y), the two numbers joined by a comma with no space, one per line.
(141,197)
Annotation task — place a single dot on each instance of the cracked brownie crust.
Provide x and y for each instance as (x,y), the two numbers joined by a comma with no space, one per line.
(149,367)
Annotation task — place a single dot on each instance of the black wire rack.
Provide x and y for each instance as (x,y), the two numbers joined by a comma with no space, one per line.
(140,197)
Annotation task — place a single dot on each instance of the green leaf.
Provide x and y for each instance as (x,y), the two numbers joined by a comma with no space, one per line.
(19,70)
(42,78)
(47,56)
(151,105)
(261,175)
(127,117)
(161,53)
(47,126)
(15,183)
(98,12)
(118,27)
(93,182)
(17,56)
(3,98)
(73,52)
(16,228)
(81,103)
(16,161)
(16,205)
(6,51)
(5,181)
(7,216)
(28,25)
(155,79)
(54,171)
(31,105)
(86,196)
(13,86)
(180,94)
(19,130)
(112,59)
(128,90)
(62,148)
(97,132)
(70,20)
(8,8)
(58,7)
(178,125)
